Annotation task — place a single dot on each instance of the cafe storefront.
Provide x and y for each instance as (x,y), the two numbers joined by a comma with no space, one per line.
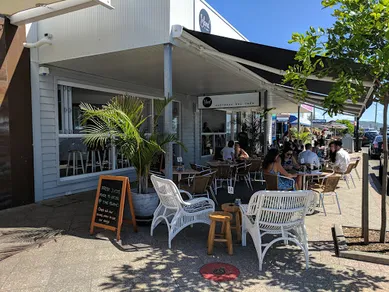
(171,48)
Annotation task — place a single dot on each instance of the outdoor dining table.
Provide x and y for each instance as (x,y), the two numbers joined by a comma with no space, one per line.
(305,174)
(221,163)
(186,171)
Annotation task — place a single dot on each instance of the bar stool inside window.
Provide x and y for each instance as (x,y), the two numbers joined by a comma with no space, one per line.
(93,159)
(74,157)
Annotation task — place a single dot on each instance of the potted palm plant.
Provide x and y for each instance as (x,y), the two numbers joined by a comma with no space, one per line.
(121,122)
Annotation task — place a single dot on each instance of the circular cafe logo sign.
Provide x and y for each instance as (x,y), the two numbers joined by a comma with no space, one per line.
(207,101)
(204,21)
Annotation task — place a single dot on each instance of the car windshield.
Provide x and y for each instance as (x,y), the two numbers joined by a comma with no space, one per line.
(371,135)
(378,139)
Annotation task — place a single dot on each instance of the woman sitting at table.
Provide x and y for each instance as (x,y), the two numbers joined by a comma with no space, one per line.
(240,154)
(288,161)
(272,165)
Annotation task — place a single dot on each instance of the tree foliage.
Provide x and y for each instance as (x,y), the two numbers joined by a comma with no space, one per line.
(353,50)
(304,136)
(349,124)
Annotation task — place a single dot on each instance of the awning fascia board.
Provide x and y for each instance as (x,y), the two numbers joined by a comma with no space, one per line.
(55,9)
(268,68)
(208,47)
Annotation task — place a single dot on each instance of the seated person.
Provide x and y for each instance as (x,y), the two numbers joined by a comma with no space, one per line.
(309,157)
(228,152)
(288,161)
(272,165)
(342,158)
(240,153)
(331,153)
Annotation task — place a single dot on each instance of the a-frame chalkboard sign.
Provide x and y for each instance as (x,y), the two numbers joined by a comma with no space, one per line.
(109,204)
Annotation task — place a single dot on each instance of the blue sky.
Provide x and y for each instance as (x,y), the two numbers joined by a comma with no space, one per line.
(273,22)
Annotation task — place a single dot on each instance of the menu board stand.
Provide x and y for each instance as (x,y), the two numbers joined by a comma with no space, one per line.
(109,204)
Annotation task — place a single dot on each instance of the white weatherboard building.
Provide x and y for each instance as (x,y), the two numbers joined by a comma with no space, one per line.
(151,49)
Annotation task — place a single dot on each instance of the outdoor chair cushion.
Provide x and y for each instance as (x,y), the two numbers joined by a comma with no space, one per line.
(198,206)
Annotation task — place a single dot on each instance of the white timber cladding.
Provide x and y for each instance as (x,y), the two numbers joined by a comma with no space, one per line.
(218,24)
(48,168)
(97,30)
(187,14)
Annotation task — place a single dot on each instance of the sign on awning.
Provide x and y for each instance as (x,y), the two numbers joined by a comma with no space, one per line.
(230,101)
(319,121)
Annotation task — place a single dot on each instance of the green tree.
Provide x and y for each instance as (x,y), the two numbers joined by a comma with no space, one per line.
(349,125)
(354,49)
(304,136)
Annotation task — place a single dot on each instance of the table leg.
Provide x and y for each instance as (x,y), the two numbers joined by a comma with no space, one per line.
(304,182)
(238,227)
(74,162)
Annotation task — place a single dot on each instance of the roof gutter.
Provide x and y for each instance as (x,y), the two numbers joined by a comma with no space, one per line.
(55,9)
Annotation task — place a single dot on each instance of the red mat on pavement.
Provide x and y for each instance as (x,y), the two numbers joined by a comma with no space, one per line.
(219,272)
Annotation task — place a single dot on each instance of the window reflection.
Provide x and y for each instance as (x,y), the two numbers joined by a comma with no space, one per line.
(75,158)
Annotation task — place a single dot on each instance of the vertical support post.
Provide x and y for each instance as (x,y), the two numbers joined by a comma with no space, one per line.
(312,114)
(384,183)
(356,135)
(168,117)
(265,122)
(232,125)
(375,118)
(365,197)
(298,118)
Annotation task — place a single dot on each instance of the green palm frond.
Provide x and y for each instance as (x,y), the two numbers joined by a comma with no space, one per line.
(120,122)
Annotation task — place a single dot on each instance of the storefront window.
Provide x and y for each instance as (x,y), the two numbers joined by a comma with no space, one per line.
(75,158)
(213,137)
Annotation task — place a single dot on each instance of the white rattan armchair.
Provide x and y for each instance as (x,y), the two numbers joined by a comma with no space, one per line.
(277,213)
(176,212)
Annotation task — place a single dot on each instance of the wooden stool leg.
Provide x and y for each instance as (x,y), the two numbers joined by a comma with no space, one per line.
(238,227)
(211,236)
(223,230)
(229,238)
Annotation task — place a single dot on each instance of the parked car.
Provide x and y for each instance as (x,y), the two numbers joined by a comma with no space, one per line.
(376,147)
(368,137)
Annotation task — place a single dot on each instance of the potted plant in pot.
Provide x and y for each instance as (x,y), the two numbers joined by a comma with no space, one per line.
(120,122)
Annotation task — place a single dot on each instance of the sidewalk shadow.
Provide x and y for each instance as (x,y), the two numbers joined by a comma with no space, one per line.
(284,268)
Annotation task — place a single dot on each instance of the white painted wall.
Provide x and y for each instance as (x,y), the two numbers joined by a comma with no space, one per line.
(182,12)
(46,164)
(219,25)
(132,24)
(97,30)
(186,13)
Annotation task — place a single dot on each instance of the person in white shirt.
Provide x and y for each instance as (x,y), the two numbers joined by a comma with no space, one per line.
(308,157)
(342,159)
(228,152)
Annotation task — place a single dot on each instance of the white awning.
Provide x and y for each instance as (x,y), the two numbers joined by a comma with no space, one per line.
(27,11)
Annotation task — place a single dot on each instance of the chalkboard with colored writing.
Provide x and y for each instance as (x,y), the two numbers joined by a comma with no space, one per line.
(108,205)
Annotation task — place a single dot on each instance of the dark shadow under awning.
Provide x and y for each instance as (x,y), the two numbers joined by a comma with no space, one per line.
(275,61)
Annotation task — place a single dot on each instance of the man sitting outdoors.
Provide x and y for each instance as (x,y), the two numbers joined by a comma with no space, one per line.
(342,159)
(308,157)
(229,151)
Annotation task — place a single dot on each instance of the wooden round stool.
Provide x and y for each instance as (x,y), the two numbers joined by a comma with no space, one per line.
(225,219)
(234,209)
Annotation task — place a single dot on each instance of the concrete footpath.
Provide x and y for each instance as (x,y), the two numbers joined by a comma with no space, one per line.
(47,247)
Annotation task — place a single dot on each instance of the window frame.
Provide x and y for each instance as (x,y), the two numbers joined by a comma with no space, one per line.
(58,81)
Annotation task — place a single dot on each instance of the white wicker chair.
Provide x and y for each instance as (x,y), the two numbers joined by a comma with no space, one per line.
(176,212)
(277,213)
